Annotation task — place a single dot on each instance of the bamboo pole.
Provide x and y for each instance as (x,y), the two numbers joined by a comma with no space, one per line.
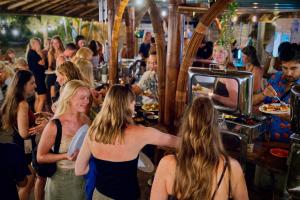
(173,62)
(113,60)
(197,37)
(160,51)
(130,41)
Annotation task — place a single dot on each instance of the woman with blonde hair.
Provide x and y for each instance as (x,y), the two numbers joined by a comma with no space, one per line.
(65,73)
(36,63)
(6,75)
(114,143)
(83,53)
(70,116)
(86,69)
(201,169)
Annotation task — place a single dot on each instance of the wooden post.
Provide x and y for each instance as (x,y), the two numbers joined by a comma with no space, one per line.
(110,18)
(260,40)
(160,51)
(113,60)
(130,41)
(197,37)
(173,62)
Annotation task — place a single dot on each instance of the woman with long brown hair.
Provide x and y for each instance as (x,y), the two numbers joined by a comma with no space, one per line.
(56,49)
(114,143)
(201,169)
(17,116)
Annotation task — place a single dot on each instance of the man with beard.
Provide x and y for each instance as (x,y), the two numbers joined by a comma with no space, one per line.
(280,85)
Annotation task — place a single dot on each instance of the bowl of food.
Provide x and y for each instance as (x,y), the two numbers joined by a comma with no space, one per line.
(152,118)
(152,107)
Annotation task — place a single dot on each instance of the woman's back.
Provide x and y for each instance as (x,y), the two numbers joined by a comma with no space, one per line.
(165,177)
(130,147)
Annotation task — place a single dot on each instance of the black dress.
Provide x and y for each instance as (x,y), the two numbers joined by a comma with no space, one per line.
(38,71)
(13,169)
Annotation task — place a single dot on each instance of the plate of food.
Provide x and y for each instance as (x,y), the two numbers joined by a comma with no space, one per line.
(281,153)
(200,89)
(274,108)
(150,107)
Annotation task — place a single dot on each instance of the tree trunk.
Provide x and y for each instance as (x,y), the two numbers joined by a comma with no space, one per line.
(197,37)
(113,60)
(160,51)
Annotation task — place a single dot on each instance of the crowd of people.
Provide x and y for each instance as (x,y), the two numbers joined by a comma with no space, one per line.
(58,80)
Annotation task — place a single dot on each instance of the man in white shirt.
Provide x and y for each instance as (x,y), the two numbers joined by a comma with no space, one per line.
(148,84)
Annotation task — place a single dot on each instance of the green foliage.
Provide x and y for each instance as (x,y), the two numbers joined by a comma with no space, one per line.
(227,31)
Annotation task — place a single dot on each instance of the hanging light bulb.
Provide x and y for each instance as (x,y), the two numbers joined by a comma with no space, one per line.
(254,18)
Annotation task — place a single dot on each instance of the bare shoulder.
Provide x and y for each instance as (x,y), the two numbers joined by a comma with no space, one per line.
(50,128)
(168,161)
(23,105)
(236,169)
(234,164)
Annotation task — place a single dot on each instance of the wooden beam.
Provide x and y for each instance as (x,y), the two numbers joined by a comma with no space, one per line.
(157,24)
(190,10)
(20,3)
(172,62)
(60,4)
(46,5)
(5,2)
(88,11)
(66,7)
(74,9)
(33,4)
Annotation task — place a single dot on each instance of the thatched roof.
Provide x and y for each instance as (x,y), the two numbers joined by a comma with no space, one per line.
(86,9)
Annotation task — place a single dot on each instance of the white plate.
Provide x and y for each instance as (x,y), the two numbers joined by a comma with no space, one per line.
(145,164)
(273,112)
(77,140)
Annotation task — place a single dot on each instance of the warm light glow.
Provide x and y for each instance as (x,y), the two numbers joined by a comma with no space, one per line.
(61,21)
(164,13)
(3,31)
(254,18)
(255,7)
(234,18)
(15,32)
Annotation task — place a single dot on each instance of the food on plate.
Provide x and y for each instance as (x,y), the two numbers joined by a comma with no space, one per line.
(275,108)
(42,116)
(197,87)
(147,93)
(150,106)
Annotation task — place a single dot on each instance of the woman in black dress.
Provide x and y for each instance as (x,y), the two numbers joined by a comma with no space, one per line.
(36,63)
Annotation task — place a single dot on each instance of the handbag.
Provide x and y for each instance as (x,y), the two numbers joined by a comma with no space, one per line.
(48,169)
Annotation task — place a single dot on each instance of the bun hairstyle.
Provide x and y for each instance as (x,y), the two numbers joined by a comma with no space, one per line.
(251,53)
(289,52)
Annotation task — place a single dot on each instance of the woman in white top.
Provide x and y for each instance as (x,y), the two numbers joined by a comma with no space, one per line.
(72,105)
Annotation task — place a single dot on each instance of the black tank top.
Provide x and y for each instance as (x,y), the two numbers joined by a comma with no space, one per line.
(117,180)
